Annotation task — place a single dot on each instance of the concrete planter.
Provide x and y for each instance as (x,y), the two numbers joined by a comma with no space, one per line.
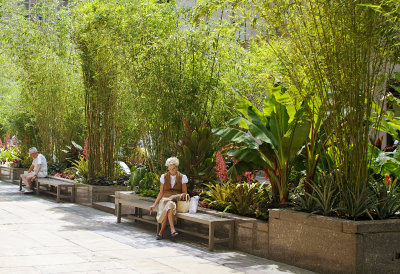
(332,245)
(89,194)
(11,174)
(251,235)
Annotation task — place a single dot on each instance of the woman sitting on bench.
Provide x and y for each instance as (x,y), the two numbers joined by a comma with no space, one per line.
(172,183)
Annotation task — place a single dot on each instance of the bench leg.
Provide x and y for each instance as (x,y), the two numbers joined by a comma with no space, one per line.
(135,213)
(211,236)
(37,188)
(231,234)
(58,193)
(20,184)
(119,212)
(72,194)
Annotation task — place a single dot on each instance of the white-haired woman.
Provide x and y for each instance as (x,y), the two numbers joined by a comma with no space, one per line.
(171,183)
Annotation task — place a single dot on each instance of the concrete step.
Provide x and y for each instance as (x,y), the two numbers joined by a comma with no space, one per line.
(111,198)
(105,206)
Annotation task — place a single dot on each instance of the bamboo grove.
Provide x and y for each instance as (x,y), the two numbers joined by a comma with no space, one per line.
(125,74)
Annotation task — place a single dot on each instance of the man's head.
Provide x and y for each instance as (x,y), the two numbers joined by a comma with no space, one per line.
(33,152)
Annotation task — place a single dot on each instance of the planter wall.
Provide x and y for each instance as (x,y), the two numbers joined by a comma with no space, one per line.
(251,235)
(10,174)
(89,194)
(332,245)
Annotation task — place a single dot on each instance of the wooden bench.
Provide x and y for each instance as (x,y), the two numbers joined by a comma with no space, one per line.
(201,218)
(63,189)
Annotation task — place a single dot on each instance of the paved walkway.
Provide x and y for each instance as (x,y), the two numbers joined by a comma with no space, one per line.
(37,235)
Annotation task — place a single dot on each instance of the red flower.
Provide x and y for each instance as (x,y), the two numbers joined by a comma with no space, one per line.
(249,175)
(1,143)
(8,140)
(387,178)
(221,167)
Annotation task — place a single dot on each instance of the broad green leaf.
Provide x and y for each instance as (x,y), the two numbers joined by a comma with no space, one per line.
(237,136)
(258,129)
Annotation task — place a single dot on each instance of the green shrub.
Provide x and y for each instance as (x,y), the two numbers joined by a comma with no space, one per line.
(81,168)
(245,198)
(143,181)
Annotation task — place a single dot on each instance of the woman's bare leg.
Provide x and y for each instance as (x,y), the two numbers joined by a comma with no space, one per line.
(163,225)
(171,220)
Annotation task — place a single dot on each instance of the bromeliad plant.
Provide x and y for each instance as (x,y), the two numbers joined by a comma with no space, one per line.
(243,198)
(269,139)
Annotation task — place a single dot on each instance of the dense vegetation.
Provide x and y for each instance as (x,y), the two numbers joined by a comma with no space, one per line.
(293,90)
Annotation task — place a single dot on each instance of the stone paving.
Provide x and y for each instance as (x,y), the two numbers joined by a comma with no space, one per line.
(38,235)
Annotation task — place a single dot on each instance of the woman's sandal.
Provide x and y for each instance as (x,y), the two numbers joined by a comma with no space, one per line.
(159,237)
(174,234)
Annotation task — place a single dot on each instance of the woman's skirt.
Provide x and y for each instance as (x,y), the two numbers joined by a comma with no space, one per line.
(163,206)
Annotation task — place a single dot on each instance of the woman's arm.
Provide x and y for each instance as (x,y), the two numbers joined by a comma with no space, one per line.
(159,196)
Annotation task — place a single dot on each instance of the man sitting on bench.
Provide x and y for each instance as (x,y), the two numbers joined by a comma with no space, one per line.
(39,167)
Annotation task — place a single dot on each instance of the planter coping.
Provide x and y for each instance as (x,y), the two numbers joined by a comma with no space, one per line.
(337,224)
(229,215)
(80,184)
(3,166)
(62,179)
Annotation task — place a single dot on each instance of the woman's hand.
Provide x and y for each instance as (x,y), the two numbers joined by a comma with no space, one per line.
(151,208)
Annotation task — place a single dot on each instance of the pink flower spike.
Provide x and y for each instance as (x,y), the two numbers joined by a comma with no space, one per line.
(8,140)
(85,149)
(221,167)
(387,178)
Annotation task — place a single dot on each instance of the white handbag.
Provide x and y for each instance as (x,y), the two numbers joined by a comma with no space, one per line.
(194,202)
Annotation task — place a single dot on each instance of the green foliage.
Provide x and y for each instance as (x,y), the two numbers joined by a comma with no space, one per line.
(96,28)
(384,162)
(324,61)
(56,167)
(46,85)
(144,181)
(72,152)
(217,195)
(177,70)
(81,167)
(281,130)
(324,198)
(356,202)
(149,193)
(245,198)
(195,153)
(9,155)
(387,202)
